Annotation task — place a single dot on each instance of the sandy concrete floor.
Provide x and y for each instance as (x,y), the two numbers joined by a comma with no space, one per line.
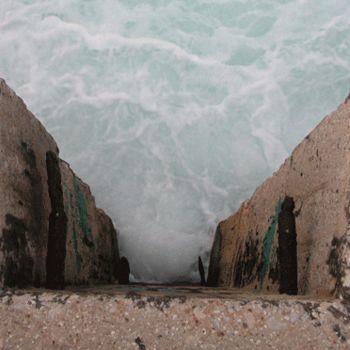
(168,317)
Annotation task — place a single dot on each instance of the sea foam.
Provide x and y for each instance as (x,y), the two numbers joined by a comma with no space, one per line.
(175,111)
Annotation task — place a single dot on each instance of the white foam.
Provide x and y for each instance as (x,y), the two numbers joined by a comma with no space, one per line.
(175,112)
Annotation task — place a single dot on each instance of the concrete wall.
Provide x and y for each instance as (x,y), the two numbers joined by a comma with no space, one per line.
(252,247)
(92,247)
(51,232)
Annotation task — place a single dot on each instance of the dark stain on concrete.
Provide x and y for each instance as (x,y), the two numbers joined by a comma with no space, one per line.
(27,173)
(339,333)
(266,303)
(140,343)
(274,273)
(18,270)
(214,263)
(56,247)
(161,302)
(141,304)
(88,242)
(133,296)
(311,309)
(334,261)
(33,199)
(347,209)
(287,249)
(106,257)
(59,299)
(244,302)
(29,154)
(201,272)
(8,296)
(182,299)
(339,315)
(115,252)
(123,271)
(37,302)
(247,265)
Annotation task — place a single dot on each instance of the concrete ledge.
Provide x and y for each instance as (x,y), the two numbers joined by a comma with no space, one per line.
(167,318)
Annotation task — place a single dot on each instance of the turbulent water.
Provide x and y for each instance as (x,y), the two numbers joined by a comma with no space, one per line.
(174,111)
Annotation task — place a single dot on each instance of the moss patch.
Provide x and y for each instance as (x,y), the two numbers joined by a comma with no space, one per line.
(83,214)
(267,244)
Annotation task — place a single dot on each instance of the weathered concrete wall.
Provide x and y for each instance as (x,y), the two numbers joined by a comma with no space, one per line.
(50,230)
(92,248)
(308,199)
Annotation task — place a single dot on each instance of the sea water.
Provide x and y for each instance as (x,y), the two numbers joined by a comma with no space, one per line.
(174,111)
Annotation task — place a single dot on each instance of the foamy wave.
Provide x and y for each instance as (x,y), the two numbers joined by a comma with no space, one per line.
(175,112)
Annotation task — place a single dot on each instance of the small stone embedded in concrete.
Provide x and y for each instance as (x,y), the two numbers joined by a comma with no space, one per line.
(140,344)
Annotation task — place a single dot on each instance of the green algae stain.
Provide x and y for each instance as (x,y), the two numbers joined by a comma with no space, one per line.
(76,251)
(83,214)
(267,244)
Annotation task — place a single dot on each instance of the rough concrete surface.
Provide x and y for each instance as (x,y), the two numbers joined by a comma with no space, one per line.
(137,317)
(303,208)
(51,232)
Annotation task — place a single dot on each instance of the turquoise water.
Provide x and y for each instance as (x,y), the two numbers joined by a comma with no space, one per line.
(174,111)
